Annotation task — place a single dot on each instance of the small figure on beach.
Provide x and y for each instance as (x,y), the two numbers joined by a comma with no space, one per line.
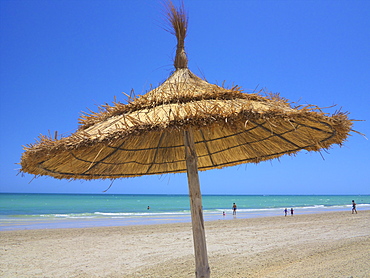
(285,211)
(223,213)
(234,209)
(291,211)
(148,208)
(354,207)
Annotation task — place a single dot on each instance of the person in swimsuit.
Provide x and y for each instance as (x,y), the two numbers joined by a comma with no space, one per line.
(234,209)
(354,207)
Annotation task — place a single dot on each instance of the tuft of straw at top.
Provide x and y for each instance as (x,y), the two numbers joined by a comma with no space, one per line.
(179,23)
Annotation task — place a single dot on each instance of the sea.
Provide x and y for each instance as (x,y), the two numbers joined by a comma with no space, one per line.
(49,211)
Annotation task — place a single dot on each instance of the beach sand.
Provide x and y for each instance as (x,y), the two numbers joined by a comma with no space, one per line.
(335,244)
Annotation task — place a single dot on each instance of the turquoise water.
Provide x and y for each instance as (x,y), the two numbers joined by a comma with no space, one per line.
(35,211)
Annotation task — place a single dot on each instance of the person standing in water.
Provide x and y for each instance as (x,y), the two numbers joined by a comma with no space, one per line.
(234,209)
(354,207)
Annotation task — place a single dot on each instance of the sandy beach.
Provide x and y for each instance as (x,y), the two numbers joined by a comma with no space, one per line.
(334,244)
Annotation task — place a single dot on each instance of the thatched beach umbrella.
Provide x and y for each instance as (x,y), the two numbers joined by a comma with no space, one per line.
(184,125)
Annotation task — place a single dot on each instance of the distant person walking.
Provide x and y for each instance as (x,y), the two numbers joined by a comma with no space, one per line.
(291,211)
(286,211)
(234,209)
(354,207)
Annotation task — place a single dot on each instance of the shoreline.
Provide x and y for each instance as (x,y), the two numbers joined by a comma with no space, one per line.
(31,223)
(332,244)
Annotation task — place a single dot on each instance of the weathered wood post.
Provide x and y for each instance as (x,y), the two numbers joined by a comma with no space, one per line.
(200,248)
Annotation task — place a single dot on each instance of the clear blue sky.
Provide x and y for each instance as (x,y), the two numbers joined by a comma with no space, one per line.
(59,58)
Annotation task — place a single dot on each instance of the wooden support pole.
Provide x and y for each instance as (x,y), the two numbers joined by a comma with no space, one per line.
(200,248)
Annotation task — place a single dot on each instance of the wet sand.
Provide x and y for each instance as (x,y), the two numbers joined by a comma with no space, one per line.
(333,244)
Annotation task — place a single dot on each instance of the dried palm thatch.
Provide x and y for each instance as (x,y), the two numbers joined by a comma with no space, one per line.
(145,136)
(230,127)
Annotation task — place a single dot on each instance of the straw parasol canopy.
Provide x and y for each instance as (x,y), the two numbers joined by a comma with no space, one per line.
(184,125)
(145,137)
